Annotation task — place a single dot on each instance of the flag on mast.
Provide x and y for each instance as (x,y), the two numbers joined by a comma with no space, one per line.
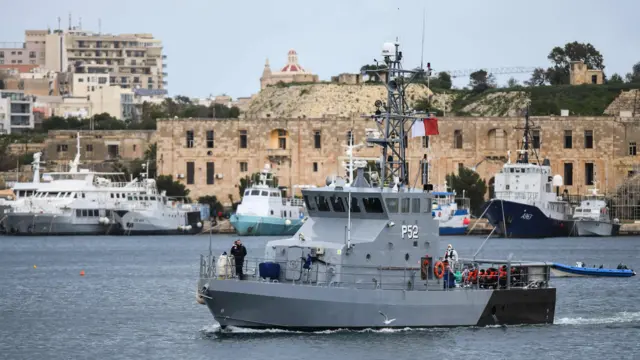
(425,127)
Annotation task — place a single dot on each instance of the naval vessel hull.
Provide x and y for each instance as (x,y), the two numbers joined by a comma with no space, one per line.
(524,221)
(49,224)
(263,305)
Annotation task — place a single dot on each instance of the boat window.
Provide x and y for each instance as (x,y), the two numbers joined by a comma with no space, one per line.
(415,205)
(354,205)
(337,204)
(255,192)
(152,198)
(511,170)
(107,213)
(112,195)
(323,204)
(129,198)
(265,193)
(84,212)
(290,213)
(373,205)
(274,194)
(405,205)
(78,213)
(246,192)
(83,195)
(310,204)
(95,212)
(392,205)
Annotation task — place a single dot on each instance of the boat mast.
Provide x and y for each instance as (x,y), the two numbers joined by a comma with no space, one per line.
(393,162)
(350,150)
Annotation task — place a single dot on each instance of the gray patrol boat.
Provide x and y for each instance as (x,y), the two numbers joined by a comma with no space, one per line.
(366,257)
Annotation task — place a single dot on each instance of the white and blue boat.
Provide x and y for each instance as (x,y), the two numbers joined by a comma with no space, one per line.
(265,212)
(453,220)
(561,270)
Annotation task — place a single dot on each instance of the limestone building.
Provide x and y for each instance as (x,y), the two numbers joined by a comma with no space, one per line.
(579,74)
(210,155)
(292,72)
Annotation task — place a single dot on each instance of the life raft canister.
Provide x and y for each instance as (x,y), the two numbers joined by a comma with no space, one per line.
(439,269)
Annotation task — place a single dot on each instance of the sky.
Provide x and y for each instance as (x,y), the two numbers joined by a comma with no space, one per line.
(219,47)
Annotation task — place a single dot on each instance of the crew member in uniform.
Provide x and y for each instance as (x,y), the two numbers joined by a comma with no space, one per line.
(238,251)
(451,255)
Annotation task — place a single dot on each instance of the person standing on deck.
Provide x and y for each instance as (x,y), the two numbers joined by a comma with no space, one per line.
(451,255)
(238,251)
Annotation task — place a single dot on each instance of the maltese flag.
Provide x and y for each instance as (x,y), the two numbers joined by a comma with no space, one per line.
(424,127)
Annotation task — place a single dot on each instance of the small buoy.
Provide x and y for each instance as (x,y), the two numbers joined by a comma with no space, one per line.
(81,272)
(35,267)
(199,224)
(287,222)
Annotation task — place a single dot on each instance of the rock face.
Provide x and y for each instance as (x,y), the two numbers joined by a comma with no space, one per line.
(320,100)
(627,101)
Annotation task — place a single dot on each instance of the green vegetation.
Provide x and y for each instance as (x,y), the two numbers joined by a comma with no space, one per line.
(248,181)
(473,186)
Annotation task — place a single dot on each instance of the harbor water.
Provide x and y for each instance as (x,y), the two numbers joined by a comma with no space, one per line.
(137,299)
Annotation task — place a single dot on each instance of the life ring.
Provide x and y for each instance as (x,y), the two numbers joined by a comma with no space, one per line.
(438,269)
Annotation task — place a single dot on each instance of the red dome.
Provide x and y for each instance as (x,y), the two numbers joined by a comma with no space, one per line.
(291,68)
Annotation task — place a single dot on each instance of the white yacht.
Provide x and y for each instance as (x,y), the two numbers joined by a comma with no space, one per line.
(592,217)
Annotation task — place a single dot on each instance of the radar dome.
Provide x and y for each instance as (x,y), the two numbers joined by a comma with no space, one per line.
(388,49)
(557,180)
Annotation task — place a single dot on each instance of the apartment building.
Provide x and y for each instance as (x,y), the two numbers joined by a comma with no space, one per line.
(131,61)
(16,112)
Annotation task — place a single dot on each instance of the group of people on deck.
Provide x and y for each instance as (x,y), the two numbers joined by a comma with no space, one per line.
(472,275)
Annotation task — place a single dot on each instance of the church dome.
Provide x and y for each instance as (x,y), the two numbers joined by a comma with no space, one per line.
(292,63)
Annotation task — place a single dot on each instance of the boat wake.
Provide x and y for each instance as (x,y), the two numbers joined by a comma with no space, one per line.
(216,329)
(621,317)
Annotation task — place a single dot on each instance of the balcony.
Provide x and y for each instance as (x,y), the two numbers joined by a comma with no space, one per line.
(278,153)
(164,66)
(164,56)
(165,74)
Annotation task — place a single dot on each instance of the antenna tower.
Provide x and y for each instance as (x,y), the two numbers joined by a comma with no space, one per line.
(394,122)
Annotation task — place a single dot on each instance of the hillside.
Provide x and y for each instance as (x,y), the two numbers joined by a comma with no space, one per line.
(318,100)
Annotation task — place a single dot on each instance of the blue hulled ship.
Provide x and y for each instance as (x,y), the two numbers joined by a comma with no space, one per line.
(525,204)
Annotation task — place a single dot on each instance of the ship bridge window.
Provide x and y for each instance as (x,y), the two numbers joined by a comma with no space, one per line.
(246,192)
(265,193)
(255,192)
(392,205)
(415,205)
(323,204)
(405,206)
(373,205)
(337,204)
(273,194)
(310,204)
(354,205)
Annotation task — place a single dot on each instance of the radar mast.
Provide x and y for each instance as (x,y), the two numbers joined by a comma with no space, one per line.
(392,116)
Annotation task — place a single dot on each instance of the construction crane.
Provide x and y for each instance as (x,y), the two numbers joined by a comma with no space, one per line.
(494,71)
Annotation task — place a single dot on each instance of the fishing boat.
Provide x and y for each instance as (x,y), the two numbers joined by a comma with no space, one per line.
(365,258)
(593,218)
(263,210)
(525,204)
(453,220)
(561,270)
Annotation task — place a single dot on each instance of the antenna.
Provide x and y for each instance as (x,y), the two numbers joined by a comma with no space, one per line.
(395,120)
(422,50)
(99,26)
(59,23)
(69,20)
(80,23)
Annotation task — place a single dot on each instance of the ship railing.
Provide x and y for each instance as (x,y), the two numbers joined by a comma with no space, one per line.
(522,275)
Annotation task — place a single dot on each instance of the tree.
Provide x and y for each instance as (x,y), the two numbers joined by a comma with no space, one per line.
(634,75)
(150,156)
(481,80)
(442,81)
(512,82)
(561,59)
(215,206)
(373,76)
(538,77)
(615,79)
(248,181)
(473,186)
(173,188)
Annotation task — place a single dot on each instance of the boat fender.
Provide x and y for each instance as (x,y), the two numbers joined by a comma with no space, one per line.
(438,269)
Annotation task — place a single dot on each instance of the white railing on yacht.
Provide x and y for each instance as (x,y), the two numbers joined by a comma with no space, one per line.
(517,195)
(293,201)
